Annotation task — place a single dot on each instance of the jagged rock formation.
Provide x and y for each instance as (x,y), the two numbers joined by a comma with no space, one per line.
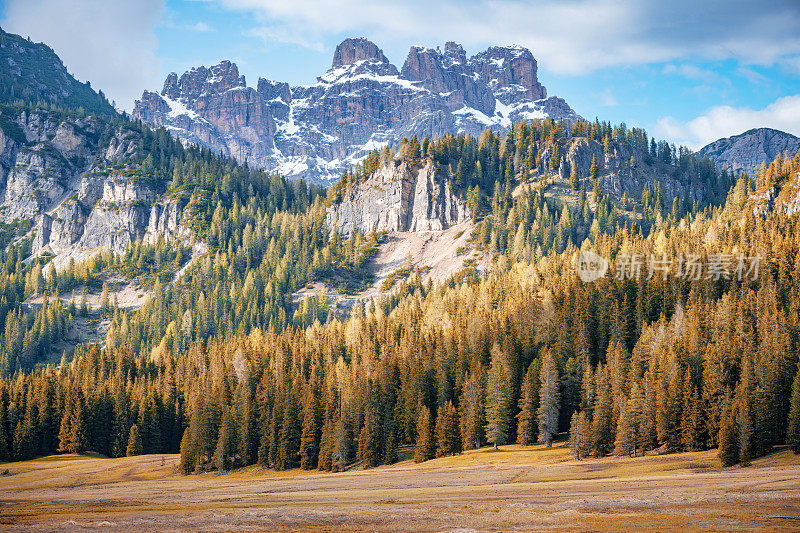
(748,150)
(361,103)
(398,197)
(55,173)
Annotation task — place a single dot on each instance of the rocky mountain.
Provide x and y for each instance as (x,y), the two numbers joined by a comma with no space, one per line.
(32,72)
(398,197)
(362,102)
(78,182)
(750,149)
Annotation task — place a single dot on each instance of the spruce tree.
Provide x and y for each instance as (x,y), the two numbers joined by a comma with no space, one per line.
(425,446)
(793,432)
(728,442)
(528,427)
(603,422)
(188,459)
(134,442)
(448,438)
(369,441)
(498,403)
(549,400)
(310,436)
(579,435)
(471,418)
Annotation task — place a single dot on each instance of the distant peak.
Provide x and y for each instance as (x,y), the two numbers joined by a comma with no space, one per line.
(356,49)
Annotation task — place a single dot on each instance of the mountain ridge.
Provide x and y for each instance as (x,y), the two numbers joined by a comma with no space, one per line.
(361,103)
(748,150)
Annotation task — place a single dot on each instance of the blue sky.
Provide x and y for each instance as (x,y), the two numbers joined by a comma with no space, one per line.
(687,71)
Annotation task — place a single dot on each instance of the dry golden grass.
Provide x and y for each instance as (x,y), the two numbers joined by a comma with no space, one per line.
(517,488)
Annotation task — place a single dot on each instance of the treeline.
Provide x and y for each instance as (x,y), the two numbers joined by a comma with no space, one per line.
(476,167)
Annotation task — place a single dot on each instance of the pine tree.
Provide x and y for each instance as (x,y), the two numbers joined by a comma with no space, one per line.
(728,442)
(593,169)
(426,446)
(310,436)
(550,400)
(603,421)
(498,400)
(579,435)
(573,178)
(104,298)
(369,441)
(134,442)
(793,432)
(448,439)
(343,445)
(188,458)
(471,418)
(528,426)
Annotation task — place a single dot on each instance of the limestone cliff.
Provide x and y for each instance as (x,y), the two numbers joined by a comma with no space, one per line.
(77,190)
(398,197)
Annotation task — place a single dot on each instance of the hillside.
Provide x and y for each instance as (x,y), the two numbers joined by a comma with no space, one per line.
(749,150)
(34,74)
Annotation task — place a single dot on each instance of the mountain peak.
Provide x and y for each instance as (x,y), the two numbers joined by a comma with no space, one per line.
(510,71)
(356,49)
(203,80)
(748,150)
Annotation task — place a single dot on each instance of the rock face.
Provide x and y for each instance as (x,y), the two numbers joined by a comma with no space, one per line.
(54,172)
(748,150)
(398,197)
(615,174)
(363,102)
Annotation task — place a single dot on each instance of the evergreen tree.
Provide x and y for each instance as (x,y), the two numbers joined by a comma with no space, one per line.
(793,432)
(188,459)
(134,442)
(550,398)
(728,442)
(448,438)
(426,446)
(310,436)
(498,400)
(528,427)
(369,441)
(471,417)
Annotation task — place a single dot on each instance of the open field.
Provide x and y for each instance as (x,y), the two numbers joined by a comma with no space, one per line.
(514,488)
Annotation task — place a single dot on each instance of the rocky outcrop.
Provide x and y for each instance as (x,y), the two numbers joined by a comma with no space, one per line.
(55,174)
(747,151)
(213,107)
(363,102)
(398,197)
(351,51)
(511,73)
(622,170)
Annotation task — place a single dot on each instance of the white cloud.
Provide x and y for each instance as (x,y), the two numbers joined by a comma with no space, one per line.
(724,121)
(200,27)
(691,72)
(108,42)
(570,37)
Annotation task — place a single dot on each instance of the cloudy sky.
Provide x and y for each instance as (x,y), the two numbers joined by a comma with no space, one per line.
(688,71)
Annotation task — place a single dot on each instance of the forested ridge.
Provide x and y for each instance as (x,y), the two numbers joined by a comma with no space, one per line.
(219,365)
